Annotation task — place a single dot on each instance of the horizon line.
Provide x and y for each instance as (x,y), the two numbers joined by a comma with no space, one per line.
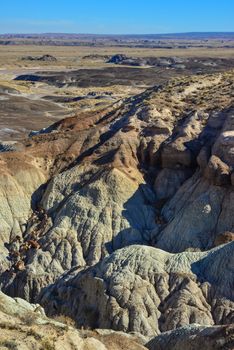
(111,34)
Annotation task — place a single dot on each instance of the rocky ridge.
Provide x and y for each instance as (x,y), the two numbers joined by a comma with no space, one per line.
(151,172)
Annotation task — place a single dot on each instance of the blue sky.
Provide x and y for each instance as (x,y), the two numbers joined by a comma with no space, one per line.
(116,17)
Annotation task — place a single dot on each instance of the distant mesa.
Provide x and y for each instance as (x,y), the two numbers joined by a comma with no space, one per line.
(44,58)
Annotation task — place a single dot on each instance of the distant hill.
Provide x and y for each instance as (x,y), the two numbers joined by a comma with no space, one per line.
(189,35)
(224,39)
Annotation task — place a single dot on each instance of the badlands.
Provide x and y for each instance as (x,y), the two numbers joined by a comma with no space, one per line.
(116,211)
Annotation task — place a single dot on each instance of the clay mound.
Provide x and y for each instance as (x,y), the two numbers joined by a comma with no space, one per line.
(195,337)
(146,290)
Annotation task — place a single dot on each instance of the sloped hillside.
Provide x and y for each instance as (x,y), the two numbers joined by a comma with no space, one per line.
(25,326)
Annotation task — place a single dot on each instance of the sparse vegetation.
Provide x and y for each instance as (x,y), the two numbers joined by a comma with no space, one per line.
(66,320)
(29,318)
(9,344)
(47,344)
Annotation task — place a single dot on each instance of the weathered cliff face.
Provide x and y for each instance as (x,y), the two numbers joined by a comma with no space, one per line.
(202,207)
(153,170)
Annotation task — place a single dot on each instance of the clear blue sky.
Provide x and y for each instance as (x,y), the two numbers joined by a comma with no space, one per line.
(116,16)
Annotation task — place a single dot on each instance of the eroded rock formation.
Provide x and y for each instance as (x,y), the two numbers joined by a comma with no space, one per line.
(194,338)
(25,326)
(154,170)
(146,290)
